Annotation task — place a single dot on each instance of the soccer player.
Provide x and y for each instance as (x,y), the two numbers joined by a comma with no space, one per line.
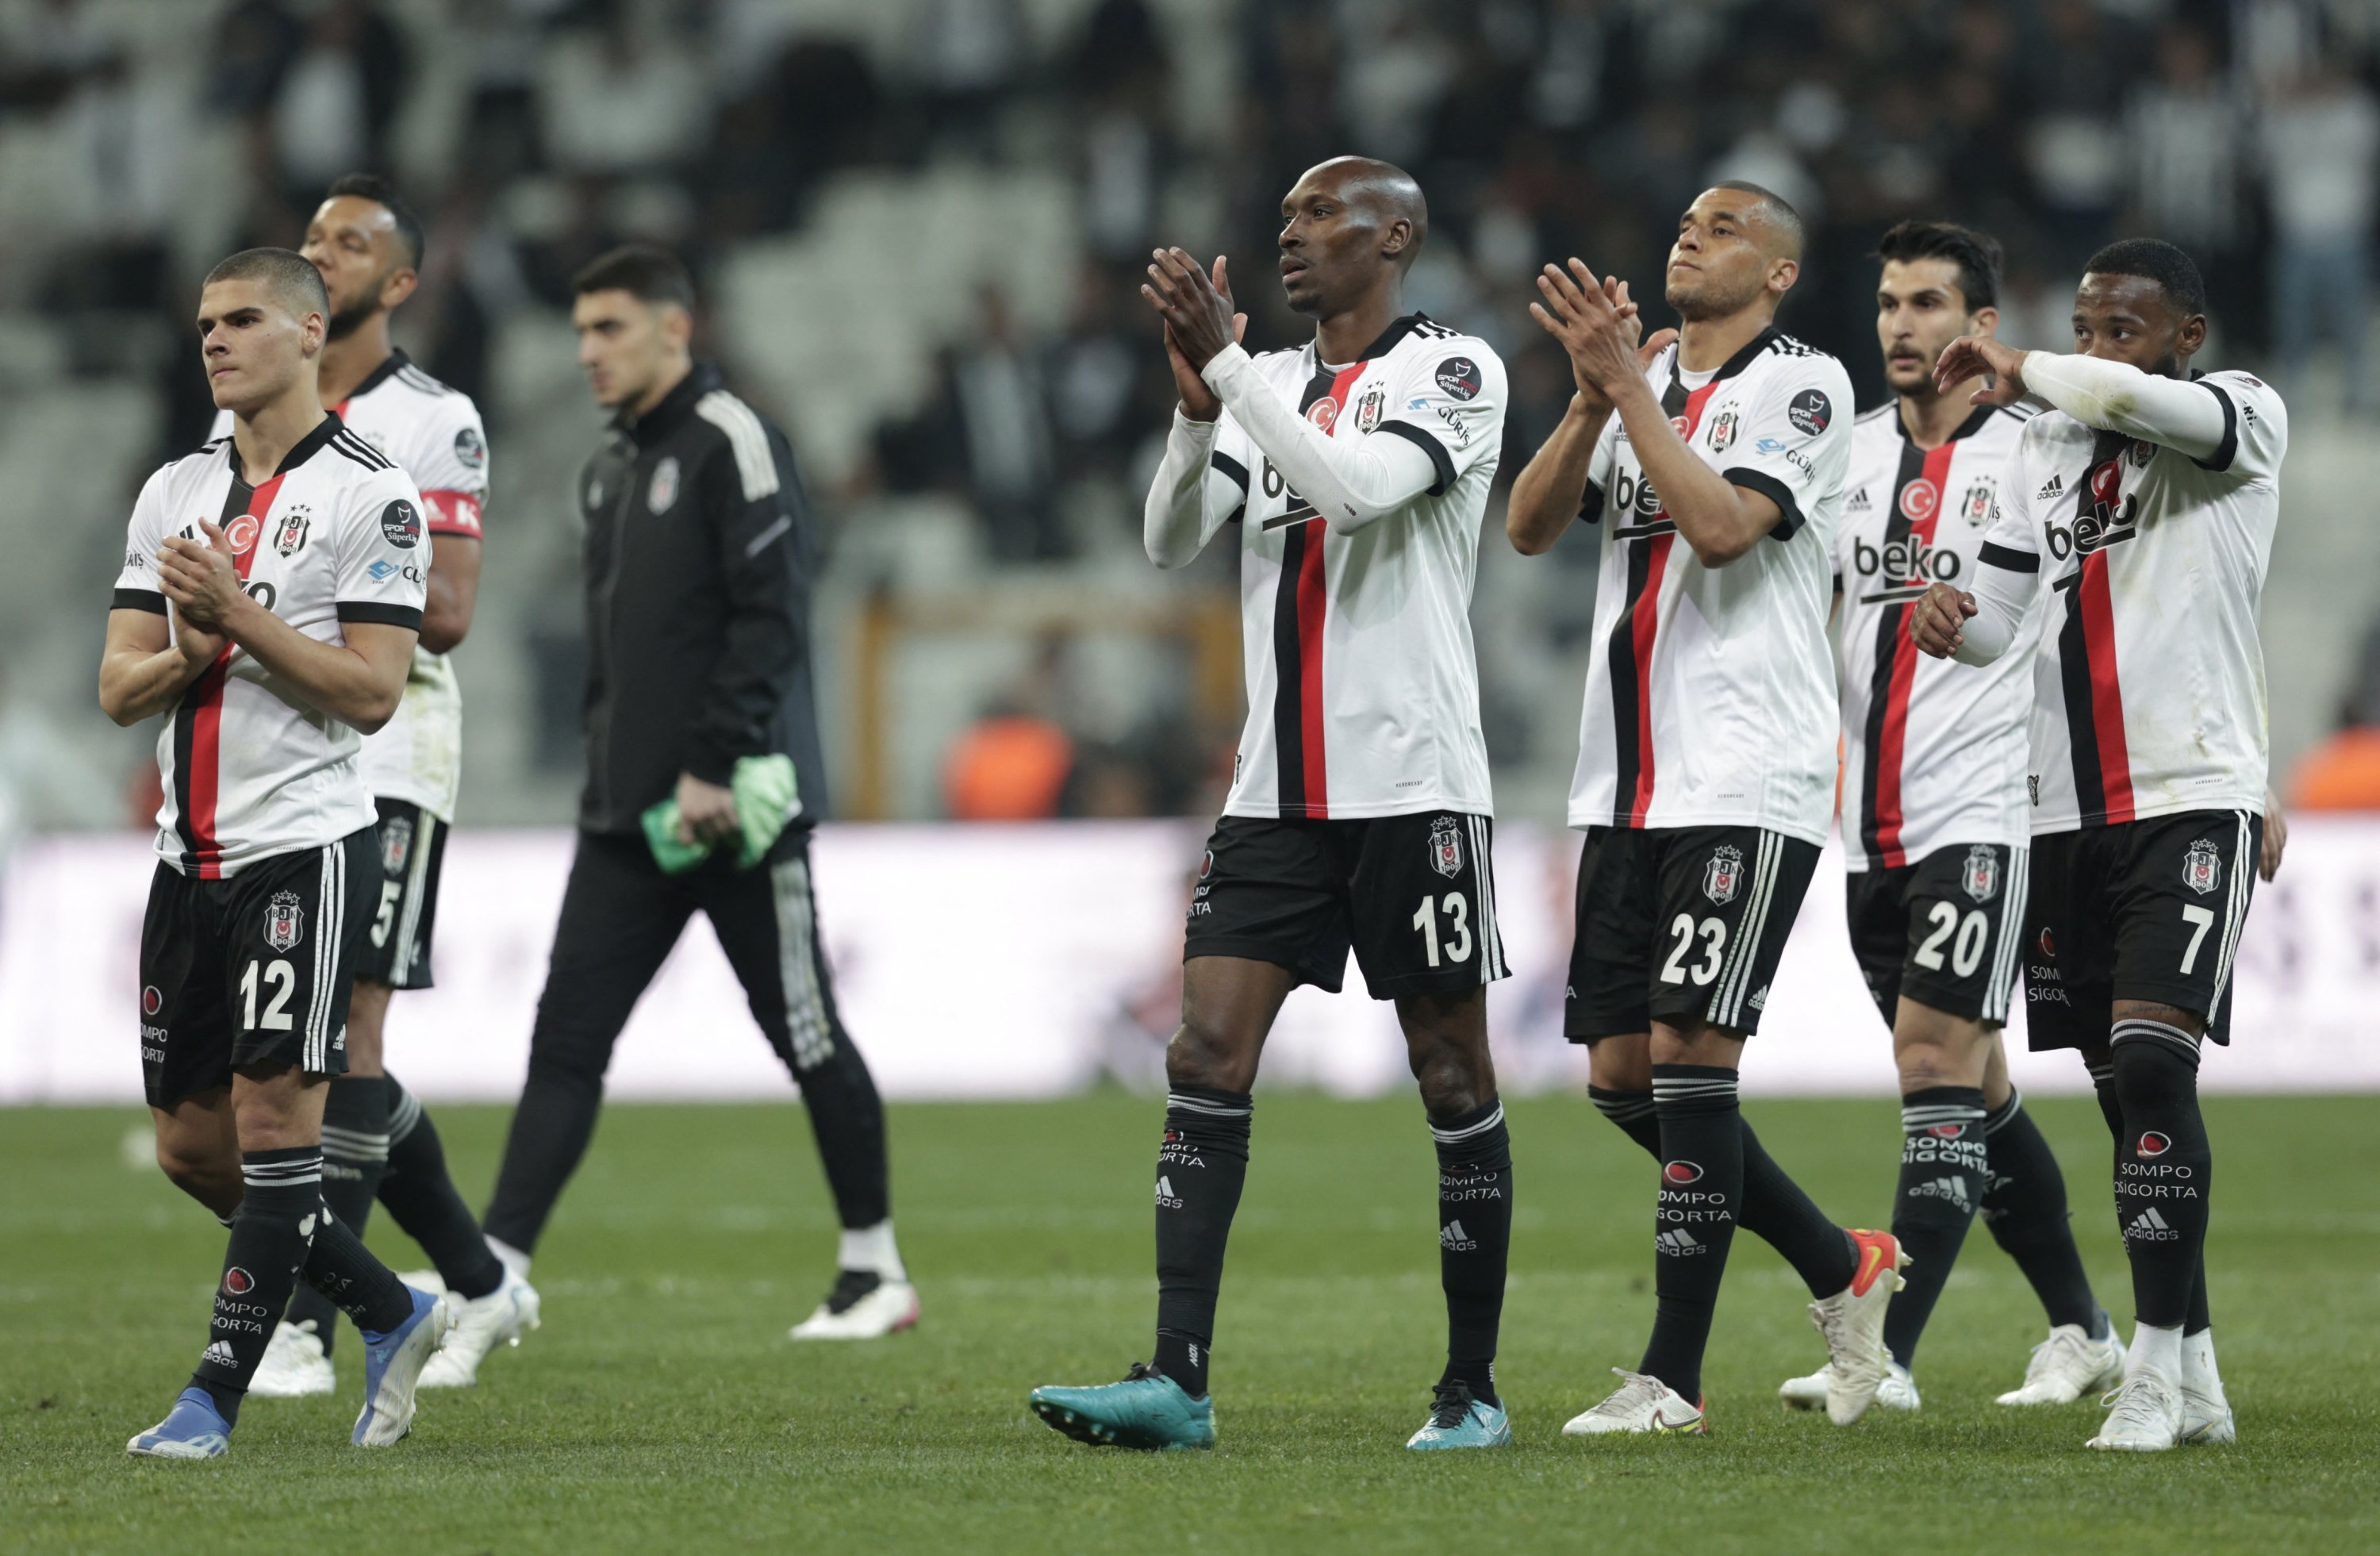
(376,1140)
(1354,471)
(2145,499)
(1935,828)
(1706,755)
(701,741)
(268,605)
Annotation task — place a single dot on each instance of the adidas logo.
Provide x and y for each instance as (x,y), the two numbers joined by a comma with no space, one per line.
(1166,1198)
(1454,1240)
(1759,1000)
(1953,1189)
(219,1353)
(1678,1240)
(1859,503)
(2151,1227)
(2056,484)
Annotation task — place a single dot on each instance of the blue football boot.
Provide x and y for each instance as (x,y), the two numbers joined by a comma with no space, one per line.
(392,1364)
(1147,1410)
(194,1429)
(1457,1421)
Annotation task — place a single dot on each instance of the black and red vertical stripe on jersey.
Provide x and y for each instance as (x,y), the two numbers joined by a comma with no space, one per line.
(1639,623)
(198,723)
(1298,717)
(2086,650)
(1917,495)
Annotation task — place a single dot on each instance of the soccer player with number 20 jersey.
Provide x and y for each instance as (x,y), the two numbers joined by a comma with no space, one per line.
(2138,514)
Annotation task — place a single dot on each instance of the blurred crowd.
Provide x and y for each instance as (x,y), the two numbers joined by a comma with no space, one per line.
(2246,131)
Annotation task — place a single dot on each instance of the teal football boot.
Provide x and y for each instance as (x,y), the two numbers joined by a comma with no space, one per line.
(1457,1421)
(1148,1410)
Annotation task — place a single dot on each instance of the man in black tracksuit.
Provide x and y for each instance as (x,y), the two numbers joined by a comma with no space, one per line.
(699,554)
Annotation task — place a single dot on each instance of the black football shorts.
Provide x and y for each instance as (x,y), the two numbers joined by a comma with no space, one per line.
(410,845)
(1681,925)
(2141,910)
(1943,930)
(254,969)
(1415,896)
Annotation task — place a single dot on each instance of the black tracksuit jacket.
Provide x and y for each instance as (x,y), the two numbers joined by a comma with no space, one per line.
(699,552)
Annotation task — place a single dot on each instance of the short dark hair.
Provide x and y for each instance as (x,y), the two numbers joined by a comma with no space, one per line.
(291,275)
(643,270)
(381,192)
(1780,210)
(1977,255)
(2159,261)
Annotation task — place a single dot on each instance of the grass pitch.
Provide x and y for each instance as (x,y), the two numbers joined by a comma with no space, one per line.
(662,1407)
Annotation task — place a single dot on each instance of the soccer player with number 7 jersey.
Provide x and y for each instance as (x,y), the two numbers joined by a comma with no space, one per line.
(2145,500)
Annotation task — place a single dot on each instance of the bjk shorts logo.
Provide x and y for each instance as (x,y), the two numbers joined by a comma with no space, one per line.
(1981,876)
(1446,847)
(1723,876)
(1919,498)
(2152,1145)
(1680,1172)
(396,844)
(238,1281)
(240,534)
(285,921)
(1323,413)
(1460,377)
(151,1002)
(2201,867)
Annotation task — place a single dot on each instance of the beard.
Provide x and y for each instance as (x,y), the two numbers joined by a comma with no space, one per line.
(346,320)
(1711,299)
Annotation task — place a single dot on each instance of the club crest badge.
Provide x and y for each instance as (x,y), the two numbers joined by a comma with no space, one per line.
(1978,505)
(663,494)
(1368,408)
(1723,428)
(285,921)
(1723,876)
(1446,847)
(289,535)
(2201,867)
(396,844)
(1982,876)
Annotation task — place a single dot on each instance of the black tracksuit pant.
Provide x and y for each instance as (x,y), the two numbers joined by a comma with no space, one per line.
(620,918)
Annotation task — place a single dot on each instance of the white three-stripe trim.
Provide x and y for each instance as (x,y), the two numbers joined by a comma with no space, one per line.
(1491,944)
(1727,1001)
(746,436)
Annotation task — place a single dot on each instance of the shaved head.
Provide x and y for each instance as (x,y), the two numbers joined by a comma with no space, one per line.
(1780,225)
(1384,191)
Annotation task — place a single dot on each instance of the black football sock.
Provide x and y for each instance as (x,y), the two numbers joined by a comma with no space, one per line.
(1201,1167)
(1475,1241)
(340,1268)
(280,1209)
(1775,1209)
(422,1199)
(2025,1208)
(2201,1319)
(2166,1171)
(1942,1182)
(355,1157)
(1701,1186)
(1777,1212)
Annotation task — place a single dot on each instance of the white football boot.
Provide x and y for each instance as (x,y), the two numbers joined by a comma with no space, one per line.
(2146,1417)
(294,1365)
(2069,1364)
(2205,1414)
(1852,1322)
(1640,1404)
(1897,1391)
(863,1306)
(481,1323)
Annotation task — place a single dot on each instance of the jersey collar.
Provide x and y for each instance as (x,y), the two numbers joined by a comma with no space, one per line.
(380,374)
(675,406)
(304,448)
(1388,341)
(1967,428)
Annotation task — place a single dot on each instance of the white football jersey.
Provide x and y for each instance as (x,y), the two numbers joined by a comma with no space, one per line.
(1363,688)
(1710,691)
(434,434)
(2149,681)
(336,535)
(1934,752)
